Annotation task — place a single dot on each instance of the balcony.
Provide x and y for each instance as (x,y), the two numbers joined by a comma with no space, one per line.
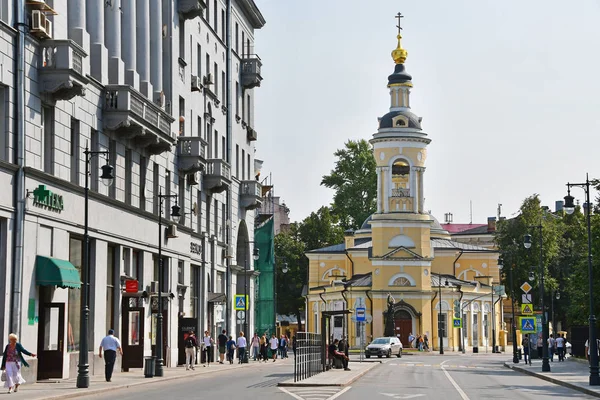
(132,116)
(251,72)
(62,74)
(400,192)
(217,176)
(250,195)
(190,9)
(192,154)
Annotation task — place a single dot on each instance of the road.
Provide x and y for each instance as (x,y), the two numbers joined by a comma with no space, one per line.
(448,377)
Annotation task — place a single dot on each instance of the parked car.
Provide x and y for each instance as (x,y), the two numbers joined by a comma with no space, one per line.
(384,346)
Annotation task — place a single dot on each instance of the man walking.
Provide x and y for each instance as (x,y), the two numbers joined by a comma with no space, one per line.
(222,341)
(255,347)
(241,346)
(274,344)
(208,345)
(190,351)
(560,347)
(110,344)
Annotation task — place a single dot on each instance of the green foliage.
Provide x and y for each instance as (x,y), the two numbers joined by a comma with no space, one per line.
(354,180)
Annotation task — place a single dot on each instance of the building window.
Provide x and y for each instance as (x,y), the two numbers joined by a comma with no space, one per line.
(402,281)
(112,148)
(216,220)
(223,213)
(223,25)
(223,85)
(208,12)
(223,148)
(243,40)
(237,98)
(128,173)
(237,38)
(74,309)
(180,273)
(143,181)
(220,283)
(208,201)
(207,64)
(216,78)
(243,163)
(216,155)
(3,120)
(75,134)
(194,285)
(182,39)
(248,109)
(94,163)
(48,139)
(167,191)
(199,61)
(249,169)
(216,16)
(181,199)
(442,322)
(199,127)
(155,186)
(110,286)
(181,116)
(237,161)
(248,53)
(136,267)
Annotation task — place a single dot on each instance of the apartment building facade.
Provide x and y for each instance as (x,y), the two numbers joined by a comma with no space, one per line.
(163,91)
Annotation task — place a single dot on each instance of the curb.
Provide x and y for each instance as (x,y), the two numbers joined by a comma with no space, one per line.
(552,380)
(91,392)
(306,384)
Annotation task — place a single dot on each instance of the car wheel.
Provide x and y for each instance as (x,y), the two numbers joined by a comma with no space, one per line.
(399,355)
(379,356)
(367,355)
(389,353)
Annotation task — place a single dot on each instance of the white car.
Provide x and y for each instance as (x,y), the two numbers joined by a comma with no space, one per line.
(384,346)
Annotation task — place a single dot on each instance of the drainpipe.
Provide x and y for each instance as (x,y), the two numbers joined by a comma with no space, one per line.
(351,264)
(370,301)
(229,228)
(19,186)
(432,300)
(460,253)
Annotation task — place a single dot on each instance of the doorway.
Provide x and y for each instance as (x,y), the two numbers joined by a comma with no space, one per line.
(403,326)
(133,333)
(51,332)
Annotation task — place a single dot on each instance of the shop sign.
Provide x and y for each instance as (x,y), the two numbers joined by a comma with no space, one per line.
(131,286)
(43,197)
(195,248)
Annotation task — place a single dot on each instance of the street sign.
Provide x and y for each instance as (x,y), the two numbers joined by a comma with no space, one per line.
(527,309)
(361,314)
(240,302)
(241,314)
(526,299)
(526,287)
(527,324)
(457,322)
(499,290)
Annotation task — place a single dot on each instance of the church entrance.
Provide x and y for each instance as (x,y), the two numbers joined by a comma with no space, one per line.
(403,326)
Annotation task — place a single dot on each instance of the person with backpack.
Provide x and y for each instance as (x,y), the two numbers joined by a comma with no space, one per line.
(525,344)
(191,343)
(230,349)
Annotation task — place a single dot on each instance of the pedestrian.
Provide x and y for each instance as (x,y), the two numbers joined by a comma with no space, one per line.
(264,347)
(282,346)
(587,349)
(540,345)
(208,343)
(420,342)
(241,346)
(230,349)
(12,359)
(335,353)
(525,344)
(425,343)
(222,342)
(551,346)
(274,344)
(255,347)
(190,351)
(110,344)
(411,339)
(560,347)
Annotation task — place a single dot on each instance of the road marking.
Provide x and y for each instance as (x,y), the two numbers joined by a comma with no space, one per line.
(402,396)
(291,394)
(453,382)
(315,393)
(344,390)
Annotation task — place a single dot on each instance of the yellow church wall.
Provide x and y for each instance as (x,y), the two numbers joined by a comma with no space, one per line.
(383,235)
(410,153)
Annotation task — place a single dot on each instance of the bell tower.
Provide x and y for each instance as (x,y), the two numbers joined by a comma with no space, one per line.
(400,150)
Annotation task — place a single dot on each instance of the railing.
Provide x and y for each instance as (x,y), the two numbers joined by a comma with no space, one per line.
(309,355)
(252,188)
(218,167)
(251,65)
(399,192)
(62,54)
(192,146)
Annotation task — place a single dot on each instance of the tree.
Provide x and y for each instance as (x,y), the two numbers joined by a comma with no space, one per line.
(354,180)
(321,229)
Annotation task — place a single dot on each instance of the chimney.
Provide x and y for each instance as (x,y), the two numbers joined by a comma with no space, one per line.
(349,239)
(559,205)
(491,224)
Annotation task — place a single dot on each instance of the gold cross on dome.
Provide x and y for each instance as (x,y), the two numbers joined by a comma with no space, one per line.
(399,16)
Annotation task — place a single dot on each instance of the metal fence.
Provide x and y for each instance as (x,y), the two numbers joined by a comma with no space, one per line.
(309,355)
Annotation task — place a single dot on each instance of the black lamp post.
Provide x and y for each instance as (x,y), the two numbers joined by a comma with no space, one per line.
(555,294)
(527,244)
(83,371)
(255,256)
(569,208)
(440,329)
(176,216)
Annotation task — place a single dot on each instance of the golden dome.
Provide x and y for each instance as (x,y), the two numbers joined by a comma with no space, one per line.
(399,54)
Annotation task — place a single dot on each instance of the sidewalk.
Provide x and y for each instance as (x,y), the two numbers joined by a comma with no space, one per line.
(334,377)
(66,389)
(572,373)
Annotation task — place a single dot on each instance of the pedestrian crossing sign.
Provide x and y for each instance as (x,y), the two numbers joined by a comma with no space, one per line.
(240,302)
(527,309)
(457,322)
(527,324)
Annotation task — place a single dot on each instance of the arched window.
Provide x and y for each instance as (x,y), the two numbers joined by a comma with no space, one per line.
(402,281)
(400,167)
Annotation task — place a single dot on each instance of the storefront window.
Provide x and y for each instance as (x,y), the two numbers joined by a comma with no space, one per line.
(110,287)
(74,312)
(194,274)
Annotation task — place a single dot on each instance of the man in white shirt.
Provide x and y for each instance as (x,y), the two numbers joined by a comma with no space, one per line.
(241,346)
(110,344)
(551,347)
(208,342)
(273,345)
(560,347)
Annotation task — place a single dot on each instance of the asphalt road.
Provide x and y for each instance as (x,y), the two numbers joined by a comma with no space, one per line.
(447,377)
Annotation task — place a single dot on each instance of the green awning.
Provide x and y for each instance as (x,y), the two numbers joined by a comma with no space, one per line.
(55,272)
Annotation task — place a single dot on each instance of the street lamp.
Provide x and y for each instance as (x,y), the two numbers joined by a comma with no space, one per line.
(440,330)
(175,216)
(83,371)
(555,294)
(569,208)
(527,244)
(255,256)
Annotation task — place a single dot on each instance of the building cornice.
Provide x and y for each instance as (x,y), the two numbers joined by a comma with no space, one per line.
(251,11)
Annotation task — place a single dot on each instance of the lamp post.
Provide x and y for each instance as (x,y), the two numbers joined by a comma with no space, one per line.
(493,321)
(83,371)
(555,294)
(527,244)
(175,215)
(255,256)
(440,330)
(569,208)
(514,323)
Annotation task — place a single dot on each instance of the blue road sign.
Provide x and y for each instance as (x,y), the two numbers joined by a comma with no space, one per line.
(457,322)
(240,302)
(361,314)
(527,324)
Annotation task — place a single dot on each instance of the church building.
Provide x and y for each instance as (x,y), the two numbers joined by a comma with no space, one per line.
(401,264)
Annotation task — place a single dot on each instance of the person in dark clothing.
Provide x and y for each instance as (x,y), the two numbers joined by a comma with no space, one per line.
(230,349)
(294,345)
(335,353)
(222,342)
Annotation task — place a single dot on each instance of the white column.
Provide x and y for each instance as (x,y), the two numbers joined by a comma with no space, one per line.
(98,53)
(77,30)
(143,46)
(112,38)
(128,42)
(414,189)
(379,192)
(156,53)
(421,197)
(385,192)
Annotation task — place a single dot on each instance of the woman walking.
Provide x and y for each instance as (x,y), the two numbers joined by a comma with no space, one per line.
(11,362)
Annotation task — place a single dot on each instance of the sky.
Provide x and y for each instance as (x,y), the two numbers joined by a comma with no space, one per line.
(509,92)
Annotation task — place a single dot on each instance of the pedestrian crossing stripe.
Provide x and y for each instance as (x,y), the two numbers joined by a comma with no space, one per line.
(439,365)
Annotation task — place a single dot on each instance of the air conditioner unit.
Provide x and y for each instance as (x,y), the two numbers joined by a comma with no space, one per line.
(208,79)
(41,27)
(230,251)
(193,178)
(196,84)
(154,287)
(172,231)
